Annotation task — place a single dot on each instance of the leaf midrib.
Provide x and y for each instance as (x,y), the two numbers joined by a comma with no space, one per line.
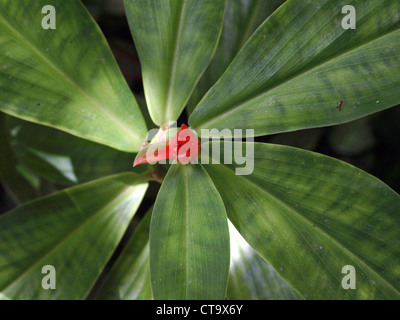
(186,188)
(328,236)
(111,116)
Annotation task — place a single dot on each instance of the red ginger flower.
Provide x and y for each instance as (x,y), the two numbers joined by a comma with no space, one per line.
(184,147)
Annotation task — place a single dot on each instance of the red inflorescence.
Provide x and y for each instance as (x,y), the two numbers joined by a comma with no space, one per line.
(184,147)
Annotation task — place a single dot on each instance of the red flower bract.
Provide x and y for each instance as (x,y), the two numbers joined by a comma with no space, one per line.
(184,147)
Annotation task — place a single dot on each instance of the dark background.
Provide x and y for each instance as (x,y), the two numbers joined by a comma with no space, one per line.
(372,143)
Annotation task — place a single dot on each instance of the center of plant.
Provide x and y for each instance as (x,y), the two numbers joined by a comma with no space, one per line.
(184,147)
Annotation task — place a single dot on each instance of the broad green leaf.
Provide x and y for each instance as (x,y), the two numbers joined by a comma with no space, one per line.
(189,237)
(310,215)
(18,186)
(242,18)
(61,157)
(251,277)
(129,278)
(175,41)
(66,77)
(75,231)
(300,63)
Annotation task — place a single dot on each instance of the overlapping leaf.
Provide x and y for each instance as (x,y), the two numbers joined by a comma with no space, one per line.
(242,18)
(129,278)
(301,62)
(176,41)
(19,187)
(189,237)
(75,231)
(66,77)
(310,215)
(61,157)
(251,277)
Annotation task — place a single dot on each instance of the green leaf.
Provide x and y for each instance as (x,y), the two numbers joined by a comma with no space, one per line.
(242,18)
(66,78)
(175,41)
(75,230)
(61,157)
(189,237)
(13,180)
(19,180)
(310,215)
(129,278)
(251,277)
(300,63)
